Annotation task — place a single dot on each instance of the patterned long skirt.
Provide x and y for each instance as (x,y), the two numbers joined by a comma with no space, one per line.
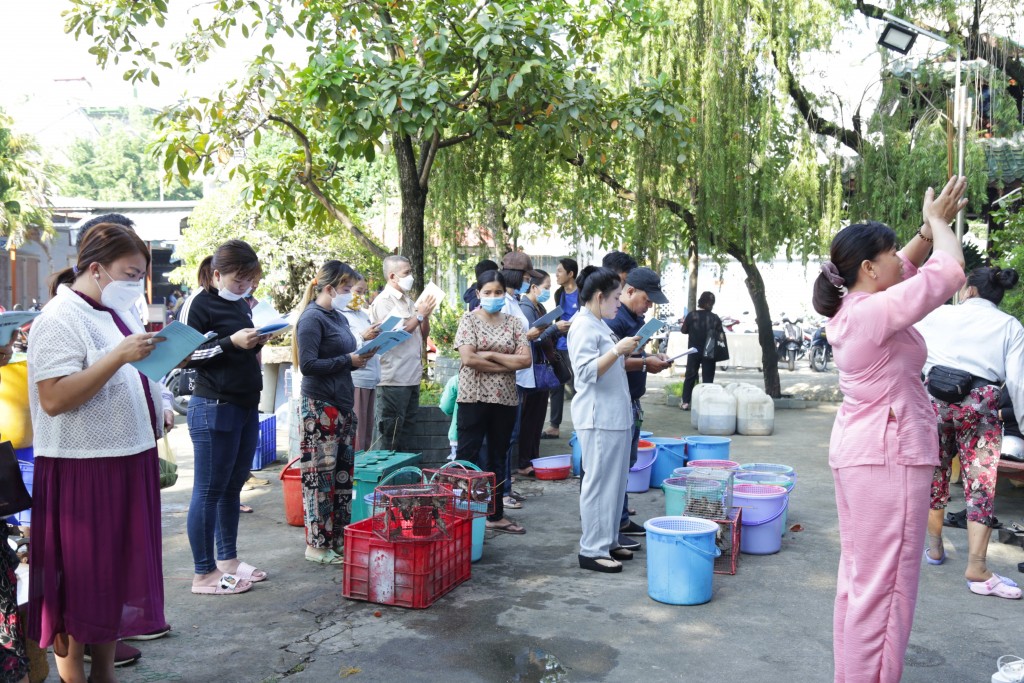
(13,660)
(327,467)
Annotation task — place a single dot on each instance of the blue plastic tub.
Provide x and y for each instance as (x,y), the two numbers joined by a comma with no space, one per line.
(646,435)
(671,454)
(681,556)
(763,508)
(707,447)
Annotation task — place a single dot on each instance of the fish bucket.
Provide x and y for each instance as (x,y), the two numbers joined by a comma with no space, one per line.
(681,556)
(291,485)
(675,495)
(671,454)
(681,471)
(714,464)
(707,447)
(774,477)
(644,453)
(766,504)
(639,479)
(646,435)
(577,454)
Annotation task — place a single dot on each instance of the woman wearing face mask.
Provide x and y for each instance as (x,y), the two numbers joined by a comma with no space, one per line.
(95,558)
(602,416)
(535,403)
(492,346)
(364,379)
(223,417)
(323,348)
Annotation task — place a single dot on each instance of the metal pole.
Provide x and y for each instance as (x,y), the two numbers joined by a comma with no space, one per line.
(961,113)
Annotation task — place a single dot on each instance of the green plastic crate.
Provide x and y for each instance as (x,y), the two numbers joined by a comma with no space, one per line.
(371,467)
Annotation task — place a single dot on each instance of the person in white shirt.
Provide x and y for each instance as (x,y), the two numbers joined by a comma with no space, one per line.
(398,393)
(974,337)
(366,378)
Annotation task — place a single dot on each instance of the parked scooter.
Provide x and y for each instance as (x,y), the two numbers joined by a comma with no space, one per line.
(821,350)
(181,382)
(791,343)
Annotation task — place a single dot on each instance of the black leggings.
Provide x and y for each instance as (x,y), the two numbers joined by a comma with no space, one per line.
(494,421)
(693,364)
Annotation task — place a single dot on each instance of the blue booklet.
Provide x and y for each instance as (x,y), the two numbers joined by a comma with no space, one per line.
(548,318)
(649,328)
(389,324)
(384,342)
(11,322)
(180,341)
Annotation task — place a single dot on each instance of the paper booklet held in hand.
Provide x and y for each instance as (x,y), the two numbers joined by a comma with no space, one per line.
(11,321)
(268,321)
(548,318)
(432,290)
(649,328)
(390,323)
(180,340)
(384,342)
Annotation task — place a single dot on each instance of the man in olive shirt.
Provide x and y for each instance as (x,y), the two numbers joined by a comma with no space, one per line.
(401,368)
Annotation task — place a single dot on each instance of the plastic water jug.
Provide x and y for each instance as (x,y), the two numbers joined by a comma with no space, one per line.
(699,392)
(717,414)
(755,413)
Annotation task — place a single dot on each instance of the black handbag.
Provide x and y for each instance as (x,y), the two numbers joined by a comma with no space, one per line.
(949,384)
(14,496)
(545,378)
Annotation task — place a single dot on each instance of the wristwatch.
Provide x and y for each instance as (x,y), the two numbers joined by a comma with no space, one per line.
(419,317)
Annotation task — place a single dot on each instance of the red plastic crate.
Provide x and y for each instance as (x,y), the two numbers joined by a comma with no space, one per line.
(411,574)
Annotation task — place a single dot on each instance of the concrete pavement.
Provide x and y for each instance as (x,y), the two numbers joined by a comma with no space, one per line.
(528,611)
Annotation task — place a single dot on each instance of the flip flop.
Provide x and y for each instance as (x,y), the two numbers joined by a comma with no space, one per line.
(509,528)
(330,557)
(928,558)
(247,572)
(994,586)
(228,585)
(526,472)
(244,508)
(545,435)
(512,504)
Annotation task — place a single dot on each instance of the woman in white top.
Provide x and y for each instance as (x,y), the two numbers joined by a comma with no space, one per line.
(366,378)
(602,417)
(978,338)
(95,560)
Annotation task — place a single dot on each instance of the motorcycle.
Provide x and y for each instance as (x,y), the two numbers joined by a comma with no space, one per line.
(181,383)
(821,350)
(791,342)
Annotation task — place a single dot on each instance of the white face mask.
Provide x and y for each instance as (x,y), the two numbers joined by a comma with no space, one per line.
(340,301)
(406,282)
(226,293)
(121,295)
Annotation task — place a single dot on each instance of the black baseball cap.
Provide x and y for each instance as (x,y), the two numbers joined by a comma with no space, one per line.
(647,281)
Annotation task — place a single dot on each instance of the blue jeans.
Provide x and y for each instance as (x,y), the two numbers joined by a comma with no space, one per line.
(637,422)
(224,440)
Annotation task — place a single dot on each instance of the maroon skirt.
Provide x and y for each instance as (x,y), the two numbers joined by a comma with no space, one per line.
(95,560)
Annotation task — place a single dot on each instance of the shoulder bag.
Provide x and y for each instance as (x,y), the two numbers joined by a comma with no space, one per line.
(14,496)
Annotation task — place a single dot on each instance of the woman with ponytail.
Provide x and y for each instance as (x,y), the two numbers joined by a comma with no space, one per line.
(223,415)
(884,445)
(603,417)
(323,348)
(95,559)
(976,338)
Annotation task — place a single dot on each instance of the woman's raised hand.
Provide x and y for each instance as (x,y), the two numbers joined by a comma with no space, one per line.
(948,203)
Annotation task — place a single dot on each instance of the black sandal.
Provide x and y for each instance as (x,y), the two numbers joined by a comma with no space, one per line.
(594,564)
(621,554)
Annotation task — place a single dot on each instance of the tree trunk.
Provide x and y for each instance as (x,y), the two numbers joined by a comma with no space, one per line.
(693,264)
(769,353)
(414,203)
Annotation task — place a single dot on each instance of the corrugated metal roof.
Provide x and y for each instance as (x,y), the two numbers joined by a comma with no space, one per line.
(154,221)
(1005,158)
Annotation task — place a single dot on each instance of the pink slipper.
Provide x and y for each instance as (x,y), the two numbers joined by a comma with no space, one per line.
(247,572)
(994,586)
(228,585)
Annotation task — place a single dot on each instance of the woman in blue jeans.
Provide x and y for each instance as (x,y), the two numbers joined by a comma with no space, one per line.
(223,418)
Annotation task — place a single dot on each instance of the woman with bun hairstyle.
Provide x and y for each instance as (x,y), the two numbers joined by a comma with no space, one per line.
(978,338)
(95,570)
(223,416)
(323,348)
(884,444)
(602,416)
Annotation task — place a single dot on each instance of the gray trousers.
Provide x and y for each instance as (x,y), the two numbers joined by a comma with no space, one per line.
(606,465)
(395,412)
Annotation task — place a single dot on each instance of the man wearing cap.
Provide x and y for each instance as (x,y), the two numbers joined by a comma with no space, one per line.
(641,290)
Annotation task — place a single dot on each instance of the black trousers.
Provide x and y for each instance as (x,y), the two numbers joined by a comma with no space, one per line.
(695,363)
(531,424)
(495,422)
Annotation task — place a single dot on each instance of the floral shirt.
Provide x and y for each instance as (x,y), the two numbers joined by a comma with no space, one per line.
(505,337)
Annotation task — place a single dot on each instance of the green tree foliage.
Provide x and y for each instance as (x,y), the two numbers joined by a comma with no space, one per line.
(116,164)
(414,78)
(24,185)
(1009,242)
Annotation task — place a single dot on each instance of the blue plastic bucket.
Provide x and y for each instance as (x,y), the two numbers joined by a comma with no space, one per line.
(577,454)
(24,518)
(707,447)
(646,435)
(675,495)
(671,454)
(765,505)
(681,556)
(770,473)
(639,479)
(682,471)
(477,551)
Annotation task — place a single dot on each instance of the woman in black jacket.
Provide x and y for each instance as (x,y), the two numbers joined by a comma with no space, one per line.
(323,348)
(699,325)
(223,417)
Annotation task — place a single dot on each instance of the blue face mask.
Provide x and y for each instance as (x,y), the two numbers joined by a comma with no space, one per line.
(524,288)
(492,304)
(544,295)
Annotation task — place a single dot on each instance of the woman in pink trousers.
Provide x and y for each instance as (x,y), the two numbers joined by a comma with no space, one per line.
(884,445)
